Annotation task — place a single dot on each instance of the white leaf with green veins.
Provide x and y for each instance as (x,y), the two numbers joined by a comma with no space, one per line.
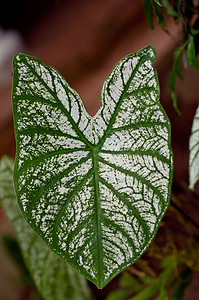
(54,278)
(194,152)
(94,188)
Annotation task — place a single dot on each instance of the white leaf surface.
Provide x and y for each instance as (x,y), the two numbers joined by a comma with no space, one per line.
(194,152)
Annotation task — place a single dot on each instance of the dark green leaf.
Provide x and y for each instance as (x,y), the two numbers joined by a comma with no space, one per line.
(175,104)
(148,12)
(176,63)
(179,7)
(170,9)
(176,72)
(94,188)
(191,55)
(182,283)
(194,32)
(54,278)
(159,14)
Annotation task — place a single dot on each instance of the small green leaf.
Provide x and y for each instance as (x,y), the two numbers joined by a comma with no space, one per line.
(181,284)
(176,72)
(194,152)
(170,9)
(179,7)
(191,54)
(194,32)
(54,278)
(159,14)
(148,12)
(94,188)
(176,63)
(175,104)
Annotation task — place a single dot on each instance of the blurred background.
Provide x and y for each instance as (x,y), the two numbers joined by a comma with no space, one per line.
(84,40)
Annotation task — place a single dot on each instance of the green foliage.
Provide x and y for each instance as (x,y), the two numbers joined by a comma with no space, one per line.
(156,6)
(186,14)
(148,12)
(147,287)
(54,278)
(170,9)
(176,71)
(157,284)
(94,188)
(159,13)
(181,283)
(191,53)
(128,285)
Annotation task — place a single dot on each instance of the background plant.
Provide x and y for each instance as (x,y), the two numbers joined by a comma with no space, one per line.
(186,15)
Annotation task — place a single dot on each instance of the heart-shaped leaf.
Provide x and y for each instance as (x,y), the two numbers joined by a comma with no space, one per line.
(94,188)
(194,152)
(54,278)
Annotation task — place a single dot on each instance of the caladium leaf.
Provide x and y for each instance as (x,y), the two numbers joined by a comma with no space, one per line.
(194,152)
(54,278)
(94,188)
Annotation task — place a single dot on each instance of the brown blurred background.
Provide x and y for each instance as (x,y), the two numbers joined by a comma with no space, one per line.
(84,40)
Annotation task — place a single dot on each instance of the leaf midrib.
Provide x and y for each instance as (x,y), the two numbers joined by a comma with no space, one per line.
(98,217)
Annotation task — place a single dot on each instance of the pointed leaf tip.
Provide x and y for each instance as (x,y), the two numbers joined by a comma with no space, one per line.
(149,51)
